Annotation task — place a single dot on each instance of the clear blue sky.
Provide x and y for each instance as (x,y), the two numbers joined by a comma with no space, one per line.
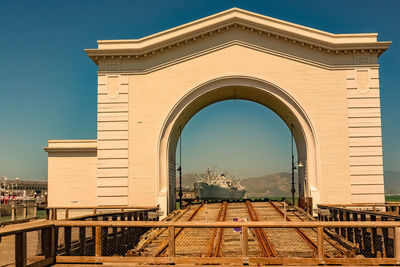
(48,84)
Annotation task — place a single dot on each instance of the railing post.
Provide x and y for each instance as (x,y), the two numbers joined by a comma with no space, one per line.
(320,243)
(66,213)
(48,243)
(171,244)
(67,240)
(82,241)
(20,249)
(397,243)
(98,242)
(245,245)
(35,208)
(12,212)
(25,212)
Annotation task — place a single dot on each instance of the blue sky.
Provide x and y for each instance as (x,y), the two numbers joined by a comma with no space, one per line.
(48,84)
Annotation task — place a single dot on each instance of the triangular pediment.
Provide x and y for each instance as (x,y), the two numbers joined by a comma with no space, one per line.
(236,19)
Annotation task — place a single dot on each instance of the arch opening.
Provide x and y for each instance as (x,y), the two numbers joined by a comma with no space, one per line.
(245,88)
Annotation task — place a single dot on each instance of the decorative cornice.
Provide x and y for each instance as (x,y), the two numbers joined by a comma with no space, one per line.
(240,43)
(323,42)
(63,150)
(72,146)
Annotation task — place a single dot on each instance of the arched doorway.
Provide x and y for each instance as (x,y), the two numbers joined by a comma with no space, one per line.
(237,87)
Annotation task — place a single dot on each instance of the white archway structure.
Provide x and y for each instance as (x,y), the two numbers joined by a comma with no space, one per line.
(326,85)
(237,87)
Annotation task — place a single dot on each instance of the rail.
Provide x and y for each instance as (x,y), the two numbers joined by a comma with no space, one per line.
(215,245)
(263,241)
(320,258)
(300,232)
(104,233)
(380,243)
(52,213)
(388,207)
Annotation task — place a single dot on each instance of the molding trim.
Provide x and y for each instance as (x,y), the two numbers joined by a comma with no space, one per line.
(237,19)
(62,150)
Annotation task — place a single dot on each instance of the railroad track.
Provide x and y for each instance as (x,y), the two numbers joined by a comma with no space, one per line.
(301,233)
(267,250)
(221,242)
(340,249)
(164,246)
(214,248)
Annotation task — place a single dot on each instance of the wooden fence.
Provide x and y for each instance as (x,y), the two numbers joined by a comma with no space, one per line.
(49,241)
(52,213)
(390,207)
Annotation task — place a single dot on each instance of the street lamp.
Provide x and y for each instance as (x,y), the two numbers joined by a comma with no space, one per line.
(293,167)
(180,168)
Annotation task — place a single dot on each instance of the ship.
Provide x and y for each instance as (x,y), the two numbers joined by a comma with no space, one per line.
(218,187)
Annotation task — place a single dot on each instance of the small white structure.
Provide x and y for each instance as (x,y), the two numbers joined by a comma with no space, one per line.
(325,85)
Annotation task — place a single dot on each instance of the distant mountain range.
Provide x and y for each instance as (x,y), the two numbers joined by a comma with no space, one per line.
(278,184)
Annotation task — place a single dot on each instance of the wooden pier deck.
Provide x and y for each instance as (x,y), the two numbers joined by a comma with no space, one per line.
(219,242)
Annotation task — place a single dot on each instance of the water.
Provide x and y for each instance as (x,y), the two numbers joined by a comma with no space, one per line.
(41,214)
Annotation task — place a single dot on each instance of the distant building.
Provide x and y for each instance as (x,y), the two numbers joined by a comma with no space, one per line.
(22,190)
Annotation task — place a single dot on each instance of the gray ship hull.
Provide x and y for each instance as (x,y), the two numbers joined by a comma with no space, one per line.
(204,191)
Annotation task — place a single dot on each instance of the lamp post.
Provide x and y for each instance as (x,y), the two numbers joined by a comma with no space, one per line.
(293,167)
(180,187)
(180,168)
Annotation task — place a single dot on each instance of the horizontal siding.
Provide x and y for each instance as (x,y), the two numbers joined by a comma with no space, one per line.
(364,112)
(364,122)
(116,116)
(368,93)
(121,98)
(365,151)
(368,198)
(112,191)
(111,144)
(364,103)
(369,160)
(362,170)
(110,107)
(102,89)
(112,173)
(102,182)
(367,189)
(112,154)
(113,126)
(367,179)
(365,141)
(373,131)
(112,135)
(110,163)
(112,201)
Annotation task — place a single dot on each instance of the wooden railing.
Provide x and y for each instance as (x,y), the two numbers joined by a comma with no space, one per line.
(46,231)
(390,207)
(243,256)
(94,211)
(103,235)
